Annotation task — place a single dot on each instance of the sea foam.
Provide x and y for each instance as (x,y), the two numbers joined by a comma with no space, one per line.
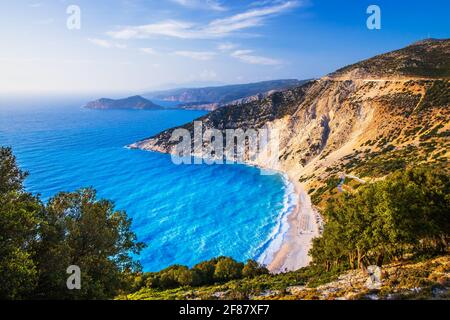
(267,250)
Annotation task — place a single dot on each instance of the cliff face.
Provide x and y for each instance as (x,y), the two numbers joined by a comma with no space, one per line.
(368,127)
(344,126)
(216,105)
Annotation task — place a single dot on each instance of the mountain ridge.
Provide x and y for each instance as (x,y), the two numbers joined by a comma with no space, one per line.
(424,59)
(214,97)
(363,126)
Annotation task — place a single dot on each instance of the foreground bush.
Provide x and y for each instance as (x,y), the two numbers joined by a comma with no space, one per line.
(39,242)
(217,270)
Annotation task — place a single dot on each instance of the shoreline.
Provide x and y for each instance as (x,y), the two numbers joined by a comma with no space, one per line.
(276,238)
(304,223)
(303,226)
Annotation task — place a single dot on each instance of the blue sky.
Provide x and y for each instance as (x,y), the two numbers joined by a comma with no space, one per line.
(139,45)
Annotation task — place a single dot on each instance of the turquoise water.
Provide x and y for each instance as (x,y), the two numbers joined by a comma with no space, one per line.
(185,214)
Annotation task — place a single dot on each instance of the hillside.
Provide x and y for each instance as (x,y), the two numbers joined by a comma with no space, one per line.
(427,279)
(365,127)
(132,103)
(428,58)
(211,98)
(335,135)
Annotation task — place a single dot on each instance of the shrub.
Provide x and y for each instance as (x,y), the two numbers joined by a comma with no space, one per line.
(227,269)
(253,269)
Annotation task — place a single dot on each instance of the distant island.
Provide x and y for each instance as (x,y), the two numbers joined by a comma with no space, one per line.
(131,103)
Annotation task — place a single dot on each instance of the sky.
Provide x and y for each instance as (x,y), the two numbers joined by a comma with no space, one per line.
(135,46)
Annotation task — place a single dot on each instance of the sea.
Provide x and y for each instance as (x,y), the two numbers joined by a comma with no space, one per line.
(185,214)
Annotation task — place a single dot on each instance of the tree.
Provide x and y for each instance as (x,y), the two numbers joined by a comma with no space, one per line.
(205,270)
(228,269)
(406,212)
(253,269)
(209,272)
(188,278)
(11,177)
(80,230)
(173,277)
(19,218)
(39,242)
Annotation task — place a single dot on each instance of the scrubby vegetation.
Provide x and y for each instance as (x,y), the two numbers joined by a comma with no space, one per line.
(409,279)
(402,221)
(329,187)
(438,95)
(398,221)
(406,213)
(428,58)
(256,286)
(217,270)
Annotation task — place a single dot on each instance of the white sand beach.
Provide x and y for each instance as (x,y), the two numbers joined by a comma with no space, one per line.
(304,225)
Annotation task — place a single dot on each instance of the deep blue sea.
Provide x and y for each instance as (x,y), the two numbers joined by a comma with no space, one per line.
(185,214)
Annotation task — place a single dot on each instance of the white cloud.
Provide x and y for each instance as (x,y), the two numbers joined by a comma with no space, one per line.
(248,19)
(196,55)
(218,28)
(201,4)
(226,46)
(260,3)
(247,56)
(106,43)
(170,28)
(148,50)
